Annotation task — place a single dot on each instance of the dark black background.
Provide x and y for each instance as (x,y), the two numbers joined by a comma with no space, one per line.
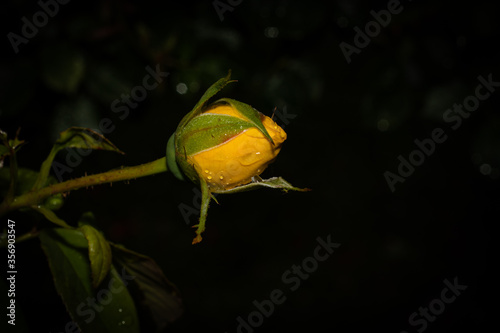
(351,123)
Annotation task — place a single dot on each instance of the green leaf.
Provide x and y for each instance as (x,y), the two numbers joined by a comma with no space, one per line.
(4,151)
(109,309)
(9,148)
(87,218)
(159,297)
(214,89)
(73,137)
(275,182)
(16,144)
(99,254)
(80,137)
(51,216)
(248,112)
(26,178)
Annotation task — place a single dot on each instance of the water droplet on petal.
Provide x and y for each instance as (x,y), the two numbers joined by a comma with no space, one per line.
(250,158)
(209,177)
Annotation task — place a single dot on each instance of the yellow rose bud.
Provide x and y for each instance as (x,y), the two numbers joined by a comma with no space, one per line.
(241,157)
(224,147)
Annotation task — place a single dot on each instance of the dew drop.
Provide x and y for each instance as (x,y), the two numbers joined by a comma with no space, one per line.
(250,158)
(120,310)
(209,177)
(221,177)
(206,171)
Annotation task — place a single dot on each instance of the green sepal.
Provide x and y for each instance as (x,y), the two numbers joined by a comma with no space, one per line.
(172,165)
(208,131)
(274,182)
(248,112)
(214,89)
(180,152)
(187,168)
(206,195)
